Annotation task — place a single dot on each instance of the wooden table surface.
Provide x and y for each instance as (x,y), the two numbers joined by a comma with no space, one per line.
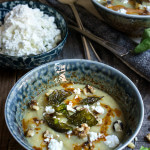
(72,49)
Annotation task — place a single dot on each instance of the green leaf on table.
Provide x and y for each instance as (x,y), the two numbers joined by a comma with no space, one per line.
(146,34)
(145,42)
(143,46)
(144,148)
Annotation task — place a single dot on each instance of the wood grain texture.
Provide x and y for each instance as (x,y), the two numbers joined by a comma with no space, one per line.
(73,49)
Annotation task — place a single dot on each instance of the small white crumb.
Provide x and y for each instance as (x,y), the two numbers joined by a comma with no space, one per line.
(93,136)
(76,97)
(100,121)
(49,110)
(69,108)
(98,109)
(55,145)
(136,139)
(112,141)
(69,132)
(77,91)
(87,107)
(123,11)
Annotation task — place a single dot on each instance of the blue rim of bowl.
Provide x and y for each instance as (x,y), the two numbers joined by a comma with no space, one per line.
(79,60)
(121,14)
(51,50)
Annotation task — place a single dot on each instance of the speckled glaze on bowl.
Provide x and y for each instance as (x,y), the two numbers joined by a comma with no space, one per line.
(131,24)
(94,73)
(32,61)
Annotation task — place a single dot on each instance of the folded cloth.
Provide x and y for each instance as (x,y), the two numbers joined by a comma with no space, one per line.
(139,63)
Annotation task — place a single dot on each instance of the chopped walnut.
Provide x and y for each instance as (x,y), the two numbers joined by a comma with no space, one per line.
(148,137)
(82,131)
(78,108)
(118,126)
(100,121)
(34,105)
(88,90)
(46,134)
(30,133)
(131,145)
(48,93)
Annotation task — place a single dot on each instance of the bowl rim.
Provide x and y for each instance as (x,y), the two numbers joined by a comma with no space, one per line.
(121,14)
(85,61)
(49,51)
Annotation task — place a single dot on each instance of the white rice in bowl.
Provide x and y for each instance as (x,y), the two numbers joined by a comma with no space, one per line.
(28,31)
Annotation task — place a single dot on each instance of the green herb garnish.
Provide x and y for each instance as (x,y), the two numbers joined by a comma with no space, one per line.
(83,116)
(58,96)
(56,125)
(144,148)
(90,100)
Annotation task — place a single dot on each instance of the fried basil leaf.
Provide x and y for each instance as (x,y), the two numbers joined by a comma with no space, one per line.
(83,116)
(58,96)
(90,100)
(56,125)
(62,108)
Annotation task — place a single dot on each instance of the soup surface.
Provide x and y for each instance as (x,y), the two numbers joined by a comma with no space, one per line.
(134,7)
(73,117)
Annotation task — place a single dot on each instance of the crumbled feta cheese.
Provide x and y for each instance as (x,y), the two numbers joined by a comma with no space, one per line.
(111,141)
(47,140)
(28,31)
(69,132)
(148,8)
(93,136)
(49,110)
(123,11)
(98,103)
(87,107)
(125,1)
(55,145)
(76,97)
(77,91)
(98,109)
(69,107)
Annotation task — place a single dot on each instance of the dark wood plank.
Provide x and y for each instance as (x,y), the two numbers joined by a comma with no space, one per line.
(7,80)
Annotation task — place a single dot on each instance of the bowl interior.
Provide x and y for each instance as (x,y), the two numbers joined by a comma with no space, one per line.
(96,74)
(31,61)
(95,2)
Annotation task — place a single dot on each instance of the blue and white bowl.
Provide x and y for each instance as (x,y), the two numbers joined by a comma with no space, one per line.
(94,73)
(31,61)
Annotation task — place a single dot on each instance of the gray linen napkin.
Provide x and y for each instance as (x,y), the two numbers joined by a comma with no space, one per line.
(139,63)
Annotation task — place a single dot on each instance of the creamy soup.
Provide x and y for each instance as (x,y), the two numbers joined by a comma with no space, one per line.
(73,117)
(136,7)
